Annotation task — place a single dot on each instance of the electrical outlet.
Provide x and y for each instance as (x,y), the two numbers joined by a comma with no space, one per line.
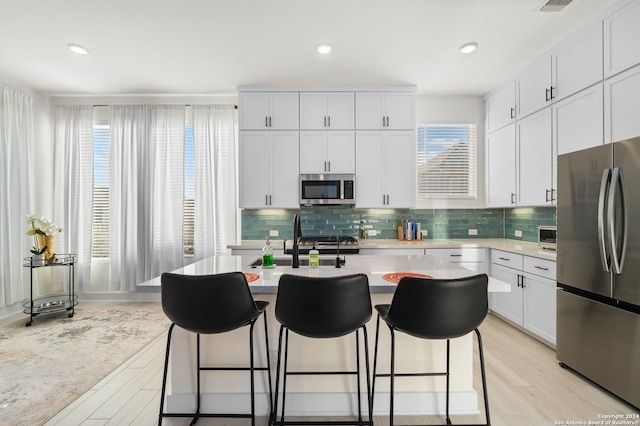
(372,232)
(518,233)
(424,233)
(473,232)
(274,233)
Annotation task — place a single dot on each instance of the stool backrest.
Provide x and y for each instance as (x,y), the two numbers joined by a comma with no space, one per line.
(439,308)
(208,304)
(325,306)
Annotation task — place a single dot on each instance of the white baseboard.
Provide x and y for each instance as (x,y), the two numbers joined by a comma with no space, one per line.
(330,404)
(122,296)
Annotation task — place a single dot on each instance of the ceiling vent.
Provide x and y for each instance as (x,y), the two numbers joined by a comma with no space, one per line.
(554,5)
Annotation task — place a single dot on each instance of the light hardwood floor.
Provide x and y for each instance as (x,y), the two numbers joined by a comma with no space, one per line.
(525,383)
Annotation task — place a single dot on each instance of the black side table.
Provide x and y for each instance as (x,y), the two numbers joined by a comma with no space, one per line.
(52,302)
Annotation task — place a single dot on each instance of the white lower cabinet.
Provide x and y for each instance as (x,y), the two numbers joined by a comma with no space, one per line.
(470,258)
(531,303)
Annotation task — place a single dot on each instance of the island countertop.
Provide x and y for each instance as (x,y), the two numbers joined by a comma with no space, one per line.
(265,281)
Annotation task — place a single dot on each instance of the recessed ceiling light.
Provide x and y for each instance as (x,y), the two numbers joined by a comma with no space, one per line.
(76,48)
(324,49)
(468,47)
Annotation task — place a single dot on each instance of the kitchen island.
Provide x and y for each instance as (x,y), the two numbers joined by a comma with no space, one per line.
(330,395)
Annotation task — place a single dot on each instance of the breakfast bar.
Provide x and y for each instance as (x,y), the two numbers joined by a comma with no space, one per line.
(322,396)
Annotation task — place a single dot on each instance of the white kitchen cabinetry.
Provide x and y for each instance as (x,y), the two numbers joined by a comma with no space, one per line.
(536,160)
(327,110)
(621,35)
(501,107)
(269,170)
(577,120)
(470,258)
(385,169)
(577,63)
(501,167)
(531,304)
(621,105)
(327,152)
(269,110)
(385,110)
(534,88)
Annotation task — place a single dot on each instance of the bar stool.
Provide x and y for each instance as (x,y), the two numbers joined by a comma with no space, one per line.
(212,304)
(434,309)
(319,308)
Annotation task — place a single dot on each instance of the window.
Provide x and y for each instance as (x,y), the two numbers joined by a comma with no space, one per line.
(101,149)
(100,220)
(447,156)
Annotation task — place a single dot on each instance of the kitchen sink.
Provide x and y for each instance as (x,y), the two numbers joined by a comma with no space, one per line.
(287,261)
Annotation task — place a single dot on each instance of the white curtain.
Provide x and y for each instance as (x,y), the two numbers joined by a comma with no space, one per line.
(73,185)
(215,183)
(16,196)
(146,203)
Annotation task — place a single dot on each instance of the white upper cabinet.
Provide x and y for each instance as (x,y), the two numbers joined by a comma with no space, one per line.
(534,88)
(327,152)
(327,110)
(269,171)
(501,107)
(622,39)
(269,110)
(501,167)
(622,106)
(577,120)
(536,157)
(385,165)
(577,63)
(385,110)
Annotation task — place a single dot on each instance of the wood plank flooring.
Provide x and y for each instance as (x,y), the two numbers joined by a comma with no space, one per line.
(525,383)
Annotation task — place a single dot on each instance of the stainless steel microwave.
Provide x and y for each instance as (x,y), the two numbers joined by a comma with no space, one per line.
(327,189)
(547,237)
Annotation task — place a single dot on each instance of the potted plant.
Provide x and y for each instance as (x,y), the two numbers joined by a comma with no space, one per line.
(42,230)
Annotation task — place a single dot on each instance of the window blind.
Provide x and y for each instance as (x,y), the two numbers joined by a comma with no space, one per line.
(447,157)
(189,192)
(100,225)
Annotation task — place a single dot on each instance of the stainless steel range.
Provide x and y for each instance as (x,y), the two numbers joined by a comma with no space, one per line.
(325,244)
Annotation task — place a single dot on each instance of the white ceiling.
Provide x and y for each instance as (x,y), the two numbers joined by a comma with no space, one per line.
(212,46)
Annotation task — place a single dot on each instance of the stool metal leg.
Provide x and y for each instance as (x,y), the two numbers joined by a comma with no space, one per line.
(358,375)
(164,375)
(266,339)
(375,365)
(484,378)
(448,419)
(392,372)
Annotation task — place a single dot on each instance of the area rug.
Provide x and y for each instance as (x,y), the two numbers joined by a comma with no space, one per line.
(45,367)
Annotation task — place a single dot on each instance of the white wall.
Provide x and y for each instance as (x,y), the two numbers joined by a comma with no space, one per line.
(453,110)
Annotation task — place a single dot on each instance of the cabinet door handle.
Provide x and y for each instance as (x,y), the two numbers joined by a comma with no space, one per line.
(329,121)
(383,121)
(384,199)
(522,281)
(269,121)
(387,121)
(553,96)
(325,166)
(552,197)
(266,200)
(518,280)
(513,113)
(387,199)
(547,95)
(329,165)
(513,198)
(325,121)
(541,267)
(266,121)
(546,197)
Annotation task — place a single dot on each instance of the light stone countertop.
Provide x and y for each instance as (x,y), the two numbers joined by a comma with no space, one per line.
(512,246)
(374,266)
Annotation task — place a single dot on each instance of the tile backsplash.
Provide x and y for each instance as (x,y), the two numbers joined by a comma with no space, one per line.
(439,223)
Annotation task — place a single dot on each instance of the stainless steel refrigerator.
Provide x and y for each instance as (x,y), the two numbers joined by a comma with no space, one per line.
(598,266)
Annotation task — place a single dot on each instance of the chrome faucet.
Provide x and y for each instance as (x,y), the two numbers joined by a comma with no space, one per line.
(297,233)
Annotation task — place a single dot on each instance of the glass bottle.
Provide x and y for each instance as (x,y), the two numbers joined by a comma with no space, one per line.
(267,255)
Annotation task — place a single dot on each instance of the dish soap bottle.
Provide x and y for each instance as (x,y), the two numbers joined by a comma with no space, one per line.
(362,234)
(267,255)
(314,257)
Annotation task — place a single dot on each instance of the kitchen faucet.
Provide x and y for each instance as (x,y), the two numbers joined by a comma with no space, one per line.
(297,233)
(337,251)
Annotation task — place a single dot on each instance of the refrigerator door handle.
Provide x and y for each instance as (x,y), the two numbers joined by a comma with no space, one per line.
(617,181)
(604,258)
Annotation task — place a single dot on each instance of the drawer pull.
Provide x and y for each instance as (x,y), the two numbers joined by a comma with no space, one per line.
(540,267)
(505,258)
(455,255)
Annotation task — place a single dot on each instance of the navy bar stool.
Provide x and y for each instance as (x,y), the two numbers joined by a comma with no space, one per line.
(211,304)
(320,308)
(434,309)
